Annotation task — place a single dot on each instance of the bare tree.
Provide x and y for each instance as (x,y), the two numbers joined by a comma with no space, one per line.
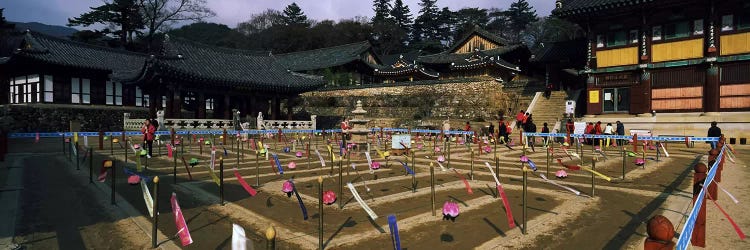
(160,14)
(261,21)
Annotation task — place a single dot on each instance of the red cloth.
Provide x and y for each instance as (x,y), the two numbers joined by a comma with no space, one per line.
(148,132)
(520,116)
(598,129)
(571,127)
(345,126)
(589,129)
(467,128)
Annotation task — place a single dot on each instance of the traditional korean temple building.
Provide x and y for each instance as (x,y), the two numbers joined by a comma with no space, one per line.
(185,79)
(478,53)
(664,55)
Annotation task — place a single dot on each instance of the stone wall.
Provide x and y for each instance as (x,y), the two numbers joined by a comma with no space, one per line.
(414,106)
(57,117)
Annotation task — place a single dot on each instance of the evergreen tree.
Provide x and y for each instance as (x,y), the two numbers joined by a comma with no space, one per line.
(125,14)
(382,11)
(293,15)
(401,15)
(425,25)
(520,14)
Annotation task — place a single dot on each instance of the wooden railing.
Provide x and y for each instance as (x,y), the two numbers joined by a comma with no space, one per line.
(285,124)
(179,124)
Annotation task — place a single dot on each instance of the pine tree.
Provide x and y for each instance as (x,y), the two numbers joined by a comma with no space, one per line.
(426,24)
(293,15)
(123,13)
(520,14)
(401,15)
(382,11)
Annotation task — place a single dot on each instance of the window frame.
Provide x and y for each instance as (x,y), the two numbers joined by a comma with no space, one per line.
(80,90)
(113,93)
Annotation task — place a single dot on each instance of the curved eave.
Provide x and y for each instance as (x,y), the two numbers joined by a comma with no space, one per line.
(307,84)
(407,71)
(486,63)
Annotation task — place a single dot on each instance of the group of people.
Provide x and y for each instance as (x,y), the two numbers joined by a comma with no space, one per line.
(596,129)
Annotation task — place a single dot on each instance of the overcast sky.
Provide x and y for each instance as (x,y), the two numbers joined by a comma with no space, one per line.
(231,12)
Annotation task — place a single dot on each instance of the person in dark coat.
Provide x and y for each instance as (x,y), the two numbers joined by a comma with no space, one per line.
(491,130)
(530,127)
(545,129)
(620,130)
(714,131)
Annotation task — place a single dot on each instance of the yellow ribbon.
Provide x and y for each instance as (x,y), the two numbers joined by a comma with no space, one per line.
(75,137)
(597,173)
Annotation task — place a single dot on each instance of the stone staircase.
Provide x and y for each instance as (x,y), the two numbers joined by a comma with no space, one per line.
(549,110)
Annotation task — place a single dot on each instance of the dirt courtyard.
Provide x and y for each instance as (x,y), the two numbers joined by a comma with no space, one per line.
(57,207)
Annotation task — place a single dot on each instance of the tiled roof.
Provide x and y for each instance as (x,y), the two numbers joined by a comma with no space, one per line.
(572,50)
(573,7)
(446,57)
(324,57)
(48,49)
(406,57)
(229,67)
(481,32)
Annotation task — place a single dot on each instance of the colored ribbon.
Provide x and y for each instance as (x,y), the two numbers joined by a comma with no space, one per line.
(532,165)
(147,198)
(369,161)
(382,155)
(36,138)
(142,176)
(571,167)
(102,174)
(728,194)
(556,184)
(571,155)
(659,144)
(393,227)
(169,150)
(213,158)
(406,167)
(186,168)
(322,162)
(299,199)
(736,227)
(361,202)
(597,173)
(252,144)
(179,221)
(244,184)
(466,183)
(600,152)
(213,176)
(239,240)
(278,163)
(441,166)
(501,192)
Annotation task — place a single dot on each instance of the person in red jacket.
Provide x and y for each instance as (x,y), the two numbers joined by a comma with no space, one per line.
(589,131)
(598,131)
(519,118)
(148,131)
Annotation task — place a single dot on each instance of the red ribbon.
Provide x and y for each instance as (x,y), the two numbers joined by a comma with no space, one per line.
(466,183)
(571,167)
(179,221)
(244,184)
(506,204)
(736,227)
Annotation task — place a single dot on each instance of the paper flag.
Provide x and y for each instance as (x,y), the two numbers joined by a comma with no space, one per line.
(239,241)
(179,221)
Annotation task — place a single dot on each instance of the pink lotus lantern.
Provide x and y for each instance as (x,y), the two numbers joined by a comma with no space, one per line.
(437,149)
(420,146)
(487,149)
(329,197)
(461,141)
(640,161)
(450,210)
(441,159)
(350,145)
(375,165)
(136,146)
(292,165)
(67,140)
(597,148)
(524,159)
(176,142)
(486,142)
(298,154)
(134,179)
(287,188)
(651,147)
(201,139)
(561,174)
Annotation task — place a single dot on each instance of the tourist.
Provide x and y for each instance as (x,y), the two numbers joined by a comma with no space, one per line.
(620,131)
(446,128)
(545,129)
(148,135)
(530,127)
(467,128)
(525,118)
(519,119)
(548,91)
(502,131)
(570,129)
(589,131)
(598,131)
(714,131)
(608,130)
(491,130)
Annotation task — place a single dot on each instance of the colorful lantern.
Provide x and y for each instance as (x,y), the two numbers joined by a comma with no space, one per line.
(375,165)
(441,159)
(292,165)
(287,188)
(298,154)
(329,197)
(640,161)
(561,174)
(134,179)
(450,210)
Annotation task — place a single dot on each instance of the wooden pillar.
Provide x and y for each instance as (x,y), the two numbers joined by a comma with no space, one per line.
(275,108)
(200,111)
(711,90)
(177,104)
(226,108)
(289,112)
(170,103)
(152,103)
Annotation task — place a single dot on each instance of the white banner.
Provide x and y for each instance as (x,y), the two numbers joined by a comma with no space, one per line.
(147,198)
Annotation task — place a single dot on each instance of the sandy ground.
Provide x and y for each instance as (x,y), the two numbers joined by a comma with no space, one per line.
(614,219)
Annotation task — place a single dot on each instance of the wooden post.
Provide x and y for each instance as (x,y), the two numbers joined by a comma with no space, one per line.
(174,165)
(126,151)
(548,159)
(341,186)
(449,155)
(432,187)
(221,180)
(63,143)
(525,196)
(101,140)
(644,157)
(78,163)
(114,181)
(271,238)
(414,176)
(257,169)
(224,137)
(593,167)
(471,172)
(111,146)
(91,164)
(155,212)
(699,232)
(320,211)
(624,156)
(308,155)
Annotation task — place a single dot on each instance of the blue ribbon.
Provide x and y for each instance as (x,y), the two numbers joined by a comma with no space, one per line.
(408,170)
(299,199)
(687,231)
(393,226)
(129,172)
(278,163)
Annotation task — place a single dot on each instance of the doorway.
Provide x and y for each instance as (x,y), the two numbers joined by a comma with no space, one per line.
(616,100)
